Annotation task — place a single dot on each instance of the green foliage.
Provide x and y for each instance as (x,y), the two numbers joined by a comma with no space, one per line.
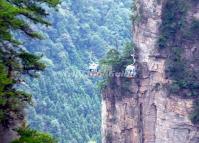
(173,20)
(112,59)
(126,56)
(10,20)
(67,100)
(14,63)
(4,80)
(102,84)
(31,136)
(116,61)
(15,16)
(176,30)
(31,62)
(52,3)
(12,101)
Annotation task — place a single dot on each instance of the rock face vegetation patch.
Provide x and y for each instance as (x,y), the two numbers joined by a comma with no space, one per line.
(178,39)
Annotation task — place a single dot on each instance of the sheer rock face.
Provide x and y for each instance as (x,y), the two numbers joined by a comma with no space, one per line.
(145,113)
(8,134)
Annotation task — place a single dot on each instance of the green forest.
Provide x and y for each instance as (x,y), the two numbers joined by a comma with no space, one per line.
(17,62)
(46,48)
(66,102)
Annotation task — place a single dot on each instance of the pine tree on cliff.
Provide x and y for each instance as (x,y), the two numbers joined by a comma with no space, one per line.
(15,61)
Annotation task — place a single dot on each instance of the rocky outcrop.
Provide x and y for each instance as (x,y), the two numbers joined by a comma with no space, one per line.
(7,135)
(145,113)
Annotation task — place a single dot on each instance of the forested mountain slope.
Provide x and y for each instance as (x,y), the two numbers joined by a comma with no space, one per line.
(67,101)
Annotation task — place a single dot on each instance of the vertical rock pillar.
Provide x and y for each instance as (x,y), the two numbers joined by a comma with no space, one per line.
(145,113)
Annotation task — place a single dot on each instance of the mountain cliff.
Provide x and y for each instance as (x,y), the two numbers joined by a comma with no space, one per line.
(160,104)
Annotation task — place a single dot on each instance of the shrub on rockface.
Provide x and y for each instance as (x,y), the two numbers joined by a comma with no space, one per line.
(175,32)
(173,22)
(115,62)
(28,135)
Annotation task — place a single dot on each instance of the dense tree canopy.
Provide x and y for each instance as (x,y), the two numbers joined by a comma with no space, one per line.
(67,101)
(32,136)
(15,60)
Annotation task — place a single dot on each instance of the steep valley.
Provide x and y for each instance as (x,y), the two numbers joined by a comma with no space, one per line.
(67,102)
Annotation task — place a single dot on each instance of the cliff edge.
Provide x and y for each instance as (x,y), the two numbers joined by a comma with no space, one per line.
(147,111)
